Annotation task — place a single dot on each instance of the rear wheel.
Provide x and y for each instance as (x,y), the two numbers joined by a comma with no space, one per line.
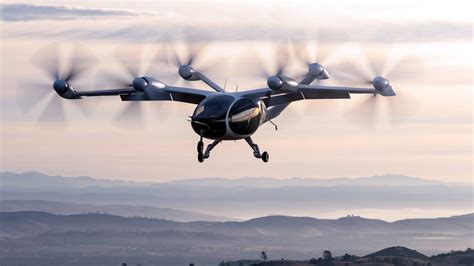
(200,157)
(265,156)
(200,146)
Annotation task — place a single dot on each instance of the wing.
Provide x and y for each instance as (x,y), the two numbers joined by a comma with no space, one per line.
(169,93)
(155,91)
(304,92)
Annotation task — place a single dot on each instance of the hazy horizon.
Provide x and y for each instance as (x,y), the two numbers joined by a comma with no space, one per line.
(165,180)
(380,197)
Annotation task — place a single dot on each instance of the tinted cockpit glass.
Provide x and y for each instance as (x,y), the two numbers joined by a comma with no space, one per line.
(215,107)
(209,117)
(244,117)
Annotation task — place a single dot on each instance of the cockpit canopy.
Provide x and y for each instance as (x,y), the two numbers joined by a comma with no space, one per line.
(245,116)
(210,115)
(215,107)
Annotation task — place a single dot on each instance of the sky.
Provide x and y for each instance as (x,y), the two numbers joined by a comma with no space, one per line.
(427,44)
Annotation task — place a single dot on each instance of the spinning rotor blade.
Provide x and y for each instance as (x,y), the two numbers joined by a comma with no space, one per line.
(376,63)
(58,66)
(135,63)
(312,51)
(131,116)
(189,54)
(53,111)
(275,63)
(315,51)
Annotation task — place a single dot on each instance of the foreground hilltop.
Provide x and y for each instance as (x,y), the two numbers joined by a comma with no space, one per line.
(400,256)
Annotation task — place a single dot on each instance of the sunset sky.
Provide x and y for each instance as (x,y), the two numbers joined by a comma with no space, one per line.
(316,139)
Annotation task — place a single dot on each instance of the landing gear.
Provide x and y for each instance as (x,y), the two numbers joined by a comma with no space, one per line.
(256,151)
(204,155)
(200,146)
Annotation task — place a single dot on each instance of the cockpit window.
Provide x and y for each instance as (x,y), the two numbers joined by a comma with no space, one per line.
(209,116)
(215,107)
(244,117)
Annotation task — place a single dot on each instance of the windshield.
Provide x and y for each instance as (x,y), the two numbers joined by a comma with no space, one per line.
(214,108)
(244,117)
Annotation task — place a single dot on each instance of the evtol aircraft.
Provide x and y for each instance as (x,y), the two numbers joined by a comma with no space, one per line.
(219,115)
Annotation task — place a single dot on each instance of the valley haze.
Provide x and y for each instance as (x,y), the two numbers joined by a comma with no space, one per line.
(390,197)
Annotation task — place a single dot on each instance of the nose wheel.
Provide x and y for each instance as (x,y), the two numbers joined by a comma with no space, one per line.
(202,155)
(256,151)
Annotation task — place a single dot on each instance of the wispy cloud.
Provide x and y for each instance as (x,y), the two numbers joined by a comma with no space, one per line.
(171,28)
(28,12)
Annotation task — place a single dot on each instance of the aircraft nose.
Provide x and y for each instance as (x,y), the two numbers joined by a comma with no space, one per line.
(203,118)
(201,122)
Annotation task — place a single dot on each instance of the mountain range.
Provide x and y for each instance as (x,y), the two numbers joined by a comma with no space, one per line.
(41,235)
(38,180)
(243,198)
(56,207)
(54,220)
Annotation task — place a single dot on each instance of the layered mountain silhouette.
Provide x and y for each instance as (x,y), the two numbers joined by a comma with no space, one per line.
(56,207)
(54,220)
(38,180)
(31,234)
(240,198)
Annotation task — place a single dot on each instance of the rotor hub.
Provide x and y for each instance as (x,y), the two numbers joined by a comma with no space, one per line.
(139,84)
(274,82)
(60,86)
(186,71)
(315,69)
(380,83)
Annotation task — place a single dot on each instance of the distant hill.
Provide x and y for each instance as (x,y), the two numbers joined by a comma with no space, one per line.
(37,235)
(397,252)
(56,207)
(401,256)
(39,180)
(245,197)
(275,225)
(379,180)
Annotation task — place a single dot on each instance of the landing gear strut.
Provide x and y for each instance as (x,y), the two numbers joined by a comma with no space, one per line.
(204,155)
(256,151)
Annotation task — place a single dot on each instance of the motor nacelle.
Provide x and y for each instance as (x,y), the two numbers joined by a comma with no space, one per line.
(139,84)
(383,86)
(282,83)
(318,71)
(188,73)
(64,89)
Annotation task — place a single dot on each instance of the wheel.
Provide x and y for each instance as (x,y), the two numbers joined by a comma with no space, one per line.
(265,156)
(200,146)
(200,157)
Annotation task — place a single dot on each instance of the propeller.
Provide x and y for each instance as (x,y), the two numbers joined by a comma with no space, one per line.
(277,62)
(187,54)
(62,68)
(189,58)
(314,56)
(134,64)
(374,70)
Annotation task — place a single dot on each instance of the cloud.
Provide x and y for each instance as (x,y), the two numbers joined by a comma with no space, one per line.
(176,23)
(166,28)
(28,12)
